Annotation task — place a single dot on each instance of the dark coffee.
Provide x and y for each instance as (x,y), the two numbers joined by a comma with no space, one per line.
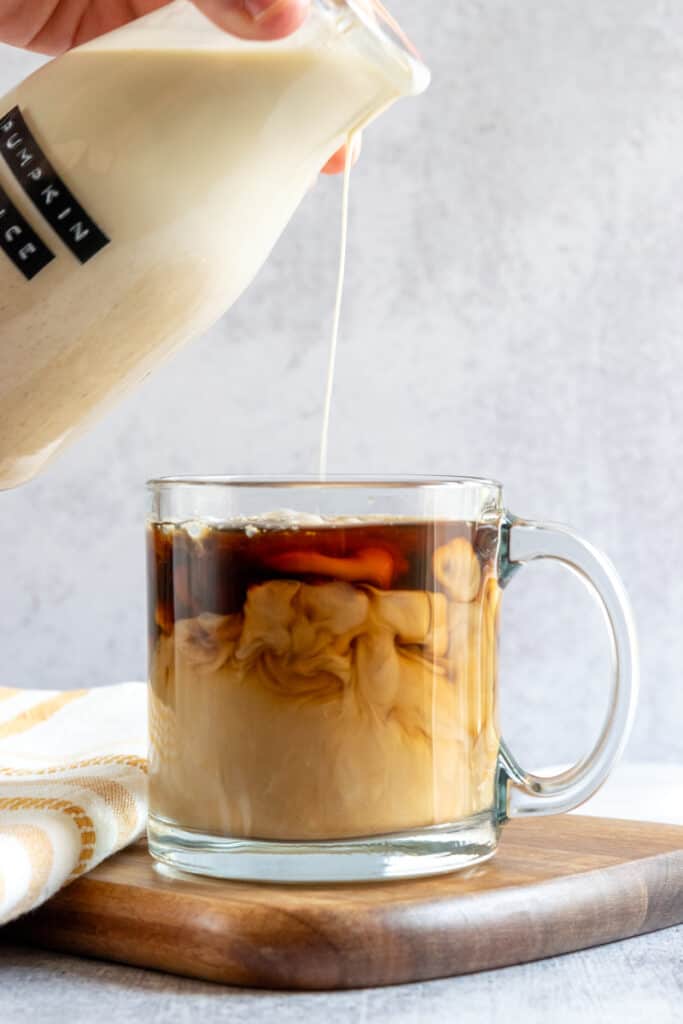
(195,569)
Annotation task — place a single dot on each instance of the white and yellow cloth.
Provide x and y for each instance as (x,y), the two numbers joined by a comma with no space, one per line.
(73,775)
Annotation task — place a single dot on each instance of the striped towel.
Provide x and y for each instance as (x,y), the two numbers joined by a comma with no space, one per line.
(73,788)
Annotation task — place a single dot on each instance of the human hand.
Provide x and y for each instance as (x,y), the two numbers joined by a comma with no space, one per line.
(51,28)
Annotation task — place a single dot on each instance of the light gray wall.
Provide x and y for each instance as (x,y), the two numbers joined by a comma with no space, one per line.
(514,308)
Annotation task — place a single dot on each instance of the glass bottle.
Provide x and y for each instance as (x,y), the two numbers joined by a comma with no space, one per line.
(144,178)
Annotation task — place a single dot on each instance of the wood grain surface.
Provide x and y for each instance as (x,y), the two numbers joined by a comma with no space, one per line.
(556,885)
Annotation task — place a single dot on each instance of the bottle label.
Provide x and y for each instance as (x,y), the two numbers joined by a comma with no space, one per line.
(18,240)
(46,190)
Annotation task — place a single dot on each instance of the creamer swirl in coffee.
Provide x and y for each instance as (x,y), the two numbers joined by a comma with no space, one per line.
(319,679)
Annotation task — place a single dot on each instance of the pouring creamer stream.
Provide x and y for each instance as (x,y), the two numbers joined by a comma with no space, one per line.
(144,178)
(336,316)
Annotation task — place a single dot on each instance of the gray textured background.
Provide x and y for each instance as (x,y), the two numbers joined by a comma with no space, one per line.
(514,308)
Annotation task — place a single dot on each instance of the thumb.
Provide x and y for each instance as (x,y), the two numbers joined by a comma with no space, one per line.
(256,19)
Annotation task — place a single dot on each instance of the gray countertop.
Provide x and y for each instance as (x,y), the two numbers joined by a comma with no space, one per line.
(631,982)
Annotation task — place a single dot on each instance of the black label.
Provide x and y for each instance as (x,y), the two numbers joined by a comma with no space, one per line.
(27,251)
(42,184)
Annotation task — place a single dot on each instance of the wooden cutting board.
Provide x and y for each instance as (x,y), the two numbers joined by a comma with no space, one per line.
(556,885)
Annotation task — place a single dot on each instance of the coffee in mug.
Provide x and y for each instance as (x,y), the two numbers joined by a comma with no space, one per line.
(323,677)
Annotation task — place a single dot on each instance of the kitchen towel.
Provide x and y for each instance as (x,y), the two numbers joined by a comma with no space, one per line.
(73,785)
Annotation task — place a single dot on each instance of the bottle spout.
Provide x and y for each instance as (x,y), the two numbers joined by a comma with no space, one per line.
(382,39)
(415,76)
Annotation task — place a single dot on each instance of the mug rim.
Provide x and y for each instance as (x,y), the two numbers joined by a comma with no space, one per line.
(399,482)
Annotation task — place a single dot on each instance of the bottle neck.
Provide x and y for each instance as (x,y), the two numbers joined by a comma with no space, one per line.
(381,39)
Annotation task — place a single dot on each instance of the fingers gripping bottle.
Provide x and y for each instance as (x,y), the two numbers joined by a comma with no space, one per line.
(144,179)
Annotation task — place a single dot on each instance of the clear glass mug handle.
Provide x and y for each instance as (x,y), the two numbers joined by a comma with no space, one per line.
(523,793)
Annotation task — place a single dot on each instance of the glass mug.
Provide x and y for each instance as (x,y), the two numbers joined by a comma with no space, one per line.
(323,676)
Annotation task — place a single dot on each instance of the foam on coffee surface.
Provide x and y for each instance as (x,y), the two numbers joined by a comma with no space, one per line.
(271,522)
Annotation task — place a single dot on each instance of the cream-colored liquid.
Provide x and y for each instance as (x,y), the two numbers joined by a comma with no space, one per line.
(192,162)
(336,320)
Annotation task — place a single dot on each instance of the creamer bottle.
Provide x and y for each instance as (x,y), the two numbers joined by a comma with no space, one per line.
(144,178)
